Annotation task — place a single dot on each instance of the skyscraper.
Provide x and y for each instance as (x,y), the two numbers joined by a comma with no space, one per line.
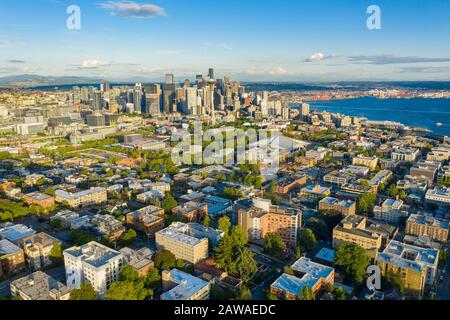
(211,73)
(169,78)
(304,109)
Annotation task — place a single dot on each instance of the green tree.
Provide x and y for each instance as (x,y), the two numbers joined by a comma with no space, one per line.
(366,203)
(127,290)
(245,294)
(306,294)
(245,266)
(85,293)
(274,244)
(165,260)
(239,236)
(207,221)
(307,239)
(232,193)
(129,237)
(353,260)
(168,203)
(55,254)
(153,279)
(225,225)
(298,252)
(127,273)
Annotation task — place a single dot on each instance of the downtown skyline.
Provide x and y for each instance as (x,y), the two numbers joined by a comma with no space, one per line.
(250,41)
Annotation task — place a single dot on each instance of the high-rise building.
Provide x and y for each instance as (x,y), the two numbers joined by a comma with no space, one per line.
(92,263)
(168,97)
(211,73)
(169,79)
(304,109)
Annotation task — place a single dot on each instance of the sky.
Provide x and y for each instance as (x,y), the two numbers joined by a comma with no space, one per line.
(248,40)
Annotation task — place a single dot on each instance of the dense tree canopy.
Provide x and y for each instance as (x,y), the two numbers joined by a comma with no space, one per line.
(85,293)
(274,244)
(353,260)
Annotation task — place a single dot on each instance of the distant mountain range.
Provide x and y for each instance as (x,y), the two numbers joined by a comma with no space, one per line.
(32,80)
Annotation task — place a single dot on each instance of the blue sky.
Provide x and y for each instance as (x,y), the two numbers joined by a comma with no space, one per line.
(302,40)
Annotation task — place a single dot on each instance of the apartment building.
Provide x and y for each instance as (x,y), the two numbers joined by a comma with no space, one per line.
(315,192)
(188,241)
(191,211)
(140,260)
(417,266)
(390,211)
(333,205)
(93,263)
(39,199)
(439,196)
(12,257)
(420,225)
(405,154)
(426,169)
(311,275)
(85,198)
(107,226)
(182,286)
(148,220)
(261,218)
(287,184)
(15,232)
(352,229)
(369,162)
(346,175)
(39,286)
(37,249)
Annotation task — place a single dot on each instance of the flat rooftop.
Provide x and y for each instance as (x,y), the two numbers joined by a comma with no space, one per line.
(7,248)
(93,254)
(187,286)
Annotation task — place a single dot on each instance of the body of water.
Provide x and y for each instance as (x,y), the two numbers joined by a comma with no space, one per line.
(432,114)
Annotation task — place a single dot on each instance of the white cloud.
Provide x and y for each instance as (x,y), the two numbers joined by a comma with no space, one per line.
(132,9)
(319,56)
(278,71)
(93,64)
